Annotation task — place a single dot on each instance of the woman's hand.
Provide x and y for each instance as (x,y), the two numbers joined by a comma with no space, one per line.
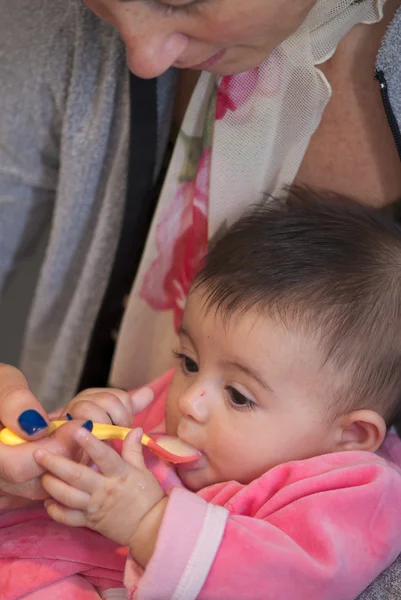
(21,411)
(123,500)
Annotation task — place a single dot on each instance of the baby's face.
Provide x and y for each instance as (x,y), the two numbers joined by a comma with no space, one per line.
(248,393)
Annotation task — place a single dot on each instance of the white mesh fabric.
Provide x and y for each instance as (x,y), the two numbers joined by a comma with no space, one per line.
(259,147)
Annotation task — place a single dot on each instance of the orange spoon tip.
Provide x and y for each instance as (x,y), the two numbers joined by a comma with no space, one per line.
(172,449)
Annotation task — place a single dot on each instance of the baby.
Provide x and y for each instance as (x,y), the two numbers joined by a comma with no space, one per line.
(288,377)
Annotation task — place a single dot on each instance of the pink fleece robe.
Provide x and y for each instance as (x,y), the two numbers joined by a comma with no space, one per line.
(319,529)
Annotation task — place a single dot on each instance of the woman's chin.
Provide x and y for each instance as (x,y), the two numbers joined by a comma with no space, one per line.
(235,65)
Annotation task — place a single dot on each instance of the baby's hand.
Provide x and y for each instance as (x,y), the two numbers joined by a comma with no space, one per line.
(102,405)
(112,501)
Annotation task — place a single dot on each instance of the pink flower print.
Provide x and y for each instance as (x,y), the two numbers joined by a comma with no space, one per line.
(182,241)
(234,91)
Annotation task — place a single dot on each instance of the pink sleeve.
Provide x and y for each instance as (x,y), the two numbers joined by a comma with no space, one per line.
(320,529)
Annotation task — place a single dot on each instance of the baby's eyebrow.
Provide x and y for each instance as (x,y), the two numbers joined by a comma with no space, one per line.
(248,371)
(183,331)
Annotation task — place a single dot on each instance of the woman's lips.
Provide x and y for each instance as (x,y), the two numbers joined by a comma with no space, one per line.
(209,62)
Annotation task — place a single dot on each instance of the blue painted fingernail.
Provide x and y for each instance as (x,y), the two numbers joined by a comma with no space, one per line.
(69,417)
(31,422)
(88,425)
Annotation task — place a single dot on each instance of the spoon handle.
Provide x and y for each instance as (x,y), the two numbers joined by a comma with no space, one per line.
(100,430)
(106,432)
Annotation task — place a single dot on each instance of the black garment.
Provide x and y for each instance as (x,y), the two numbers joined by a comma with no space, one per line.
(139,209)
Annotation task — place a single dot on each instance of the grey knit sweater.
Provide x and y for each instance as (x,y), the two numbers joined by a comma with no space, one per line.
(64,123)
(64,116)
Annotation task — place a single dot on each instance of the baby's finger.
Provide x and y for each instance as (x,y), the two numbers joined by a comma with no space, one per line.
(64,515)
(102,408)
(86,410)
(132,449)
(141,398)
(75,474)
(105,458)
(117,403)
(64,493)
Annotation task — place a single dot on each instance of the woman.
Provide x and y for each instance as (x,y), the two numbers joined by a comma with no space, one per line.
(283,120)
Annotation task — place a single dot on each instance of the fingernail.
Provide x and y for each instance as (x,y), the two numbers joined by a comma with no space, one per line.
(31,422)
(88,425)
(69,417)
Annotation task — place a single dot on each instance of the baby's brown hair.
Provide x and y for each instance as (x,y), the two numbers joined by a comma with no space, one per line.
(331,265)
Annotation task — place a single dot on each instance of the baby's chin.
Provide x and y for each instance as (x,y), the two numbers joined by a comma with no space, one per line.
(190,482)
(197,478)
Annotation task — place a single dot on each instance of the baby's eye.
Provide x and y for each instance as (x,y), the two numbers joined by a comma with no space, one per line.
(188,365)
(238,400)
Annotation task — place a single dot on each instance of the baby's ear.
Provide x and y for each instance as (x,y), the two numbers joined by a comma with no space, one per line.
(361,430)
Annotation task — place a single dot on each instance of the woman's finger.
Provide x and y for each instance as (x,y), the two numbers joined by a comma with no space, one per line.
(17,465)
(64,515)
(13,502)
(19,471)
(76,475)
(64,493)
(20,410)
(105,458)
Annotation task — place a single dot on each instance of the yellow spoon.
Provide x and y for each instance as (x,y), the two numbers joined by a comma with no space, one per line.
(167,447)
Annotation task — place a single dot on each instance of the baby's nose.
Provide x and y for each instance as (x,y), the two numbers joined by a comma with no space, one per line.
(195,403)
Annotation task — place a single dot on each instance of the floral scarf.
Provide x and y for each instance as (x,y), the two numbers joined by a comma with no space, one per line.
(243,136)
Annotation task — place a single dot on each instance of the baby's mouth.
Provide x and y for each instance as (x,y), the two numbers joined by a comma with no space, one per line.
(198,463)
(195,465)
(172,448)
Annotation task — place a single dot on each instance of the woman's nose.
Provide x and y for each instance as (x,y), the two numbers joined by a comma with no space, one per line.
(195,403)
(152,53)
(153,42)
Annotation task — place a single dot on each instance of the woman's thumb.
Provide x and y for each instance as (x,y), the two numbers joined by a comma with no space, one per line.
(20,410)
